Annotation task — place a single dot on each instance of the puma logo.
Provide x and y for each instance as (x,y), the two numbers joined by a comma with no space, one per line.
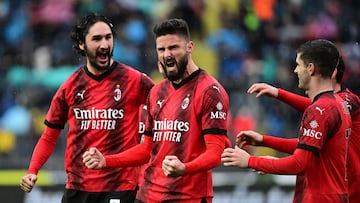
(81,95)
(160,102)
(217,88)
(320,110)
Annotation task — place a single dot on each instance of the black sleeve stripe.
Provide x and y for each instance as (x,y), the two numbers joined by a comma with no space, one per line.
(148,133)
(214,131)
(55,126)
(309,148)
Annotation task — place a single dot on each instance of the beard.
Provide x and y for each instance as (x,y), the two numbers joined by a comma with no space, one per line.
(181,68)
(92,60)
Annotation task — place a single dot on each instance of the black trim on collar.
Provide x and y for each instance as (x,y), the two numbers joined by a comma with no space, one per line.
(103,75)
(321,93)
(190,77)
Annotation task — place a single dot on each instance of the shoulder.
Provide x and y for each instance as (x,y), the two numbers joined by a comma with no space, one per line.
(161,85)
(128,68)
(73,77)
(209,83)
(325,106)
(133,72)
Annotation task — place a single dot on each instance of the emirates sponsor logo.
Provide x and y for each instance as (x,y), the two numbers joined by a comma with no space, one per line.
(95,113)
(171,125)
(169,130)
(98,119)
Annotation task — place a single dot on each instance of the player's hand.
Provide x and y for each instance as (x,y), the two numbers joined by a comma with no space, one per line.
(249,137)
(263,89)
(93,159)
(28,182)
(173,167)
(235,157)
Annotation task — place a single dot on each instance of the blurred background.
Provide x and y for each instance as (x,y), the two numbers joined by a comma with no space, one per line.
(238,41)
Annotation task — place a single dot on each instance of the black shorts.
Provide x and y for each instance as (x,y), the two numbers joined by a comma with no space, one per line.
(76,196)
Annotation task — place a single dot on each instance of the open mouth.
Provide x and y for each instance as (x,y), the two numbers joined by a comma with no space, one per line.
(103,57)
(170,64)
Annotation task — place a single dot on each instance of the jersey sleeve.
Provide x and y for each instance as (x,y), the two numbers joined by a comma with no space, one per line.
(287,145)
(57,114)
(145,86)
(294,164)
(319,122)
(215,108)
(298,102)
(211,158)
(43,149)
(135,156)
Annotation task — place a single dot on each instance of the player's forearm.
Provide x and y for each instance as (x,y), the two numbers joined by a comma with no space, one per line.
(287,145)
(298,102)
(43,149)
(294,164)
(135,156)
(211,158)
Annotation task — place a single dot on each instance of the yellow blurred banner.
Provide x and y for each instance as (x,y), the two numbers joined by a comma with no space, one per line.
(13,177)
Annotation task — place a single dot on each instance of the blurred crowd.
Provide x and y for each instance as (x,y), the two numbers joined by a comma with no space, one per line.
(238,41)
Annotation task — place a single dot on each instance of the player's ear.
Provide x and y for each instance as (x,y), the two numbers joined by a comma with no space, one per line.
(81,45)
(190,46)
(311,68)
(333,76)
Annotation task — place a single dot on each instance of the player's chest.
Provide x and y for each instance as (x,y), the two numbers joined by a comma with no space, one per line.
(105,93)
(174,104)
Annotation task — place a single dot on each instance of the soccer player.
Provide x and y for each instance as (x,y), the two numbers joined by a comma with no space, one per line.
(100,103)
(319,155)
(185,128)
(300,103)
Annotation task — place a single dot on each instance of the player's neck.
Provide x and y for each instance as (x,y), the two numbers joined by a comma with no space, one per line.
(190,69)
(95,71)
(322,85)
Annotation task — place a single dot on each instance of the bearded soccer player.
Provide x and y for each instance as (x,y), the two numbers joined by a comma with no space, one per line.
(319,155)
(100,103)
(301,103)
(185,129)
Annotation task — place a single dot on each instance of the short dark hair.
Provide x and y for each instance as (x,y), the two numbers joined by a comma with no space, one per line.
(322,53)
(80,30)
(172,26)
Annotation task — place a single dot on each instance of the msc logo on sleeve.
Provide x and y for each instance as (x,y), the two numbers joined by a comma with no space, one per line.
(312,132)
(218,114)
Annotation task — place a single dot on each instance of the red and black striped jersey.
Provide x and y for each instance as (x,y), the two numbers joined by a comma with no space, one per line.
(325,130)
(179,117)
(353,103)
(102,112)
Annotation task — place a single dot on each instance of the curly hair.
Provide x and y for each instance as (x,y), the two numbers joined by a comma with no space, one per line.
(80,30)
